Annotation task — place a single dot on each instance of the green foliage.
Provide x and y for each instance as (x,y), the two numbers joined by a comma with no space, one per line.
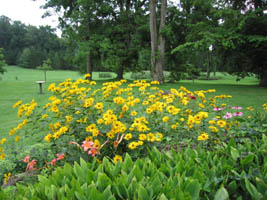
(187,174)
(2,62)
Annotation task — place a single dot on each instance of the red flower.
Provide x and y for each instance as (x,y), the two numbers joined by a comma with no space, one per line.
(60,156)
(31,165)
(26,159)
(53,162)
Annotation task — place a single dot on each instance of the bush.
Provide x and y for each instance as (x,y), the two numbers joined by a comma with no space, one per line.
(228,172)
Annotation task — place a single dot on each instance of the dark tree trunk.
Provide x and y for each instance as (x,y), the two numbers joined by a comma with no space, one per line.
(153,35)
(208,66)
(263,78)
(157,62)
(120,72)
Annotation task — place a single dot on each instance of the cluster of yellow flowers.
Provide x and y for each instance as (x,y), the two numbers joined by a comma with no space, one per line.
(125,117)
(265,107)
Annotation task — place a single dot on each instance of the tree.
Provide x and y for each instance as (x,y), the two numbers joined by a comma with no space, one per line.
(157,50)
(2,62)
(45,67)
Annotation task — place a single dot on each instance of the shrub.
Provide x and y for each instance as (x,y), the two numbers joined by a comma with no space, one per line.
(228,172)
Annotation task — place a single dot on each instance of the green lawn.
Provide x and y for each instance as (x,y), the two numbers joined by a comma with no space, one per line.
(19,84)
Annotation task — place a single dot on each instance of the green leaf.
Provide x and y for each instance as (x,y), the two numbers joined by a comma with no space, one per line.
(80,196)
(142,193)
(221,194)
(102,181)
(193,187)
(247,160)
(127,164)
(252,190)
(232,187)
(234,153)
(163,197)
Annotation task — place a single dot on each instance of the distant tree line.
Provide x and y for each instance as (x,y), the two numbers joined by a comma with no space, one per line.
(188,36)
(29,46)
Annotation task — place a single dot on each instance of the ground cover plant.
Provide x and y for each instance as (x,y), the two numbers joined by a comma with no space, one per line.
(91,119)
(230,171)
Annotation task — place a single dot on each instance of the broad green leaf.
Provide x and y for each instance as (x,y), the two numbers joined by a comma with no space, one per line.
(252,190)
(221,194)
(234,153)
(142,193)
(163,197)
(102,181)
(193,187)
(127,164)
(80,196)
(247,160)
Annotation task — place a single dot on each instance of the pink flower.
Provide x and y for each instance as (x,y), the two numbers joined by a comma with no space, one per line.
(238,114)
(217,109)
(236,107)
(228,116)
(31,165)
(53,162)
(26,159)
(60,156)
(87,145)
(93,151)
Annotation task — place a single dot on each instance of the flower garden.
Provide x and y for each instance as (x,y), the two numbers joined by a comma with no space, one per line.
(134,141)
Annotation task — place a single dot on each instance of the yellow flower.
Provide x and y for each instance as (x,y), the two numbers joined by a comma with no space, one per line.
(158,137)
(221,123)
(68,118)
(165,119)
(150,137)
(117,158)
(125,108)
(6,177)
(173,126)
(99,106)
(110,134)
(132,145)
(17,104)
(213,129)
(89,139)
(48,137)
(142,137)
(17,138)
(3,141)
(87,75)
(133,113)
(203,136)
(44,116)
(97,144)
(100,121)
(2,156)
(212,122)
(128,136)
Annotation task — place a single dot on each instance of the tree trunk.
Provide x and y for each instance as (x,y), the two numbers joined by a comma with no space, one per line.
(162,41)
(120,72)
(208,66)
(263,78)
(157,62)
(153,35)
